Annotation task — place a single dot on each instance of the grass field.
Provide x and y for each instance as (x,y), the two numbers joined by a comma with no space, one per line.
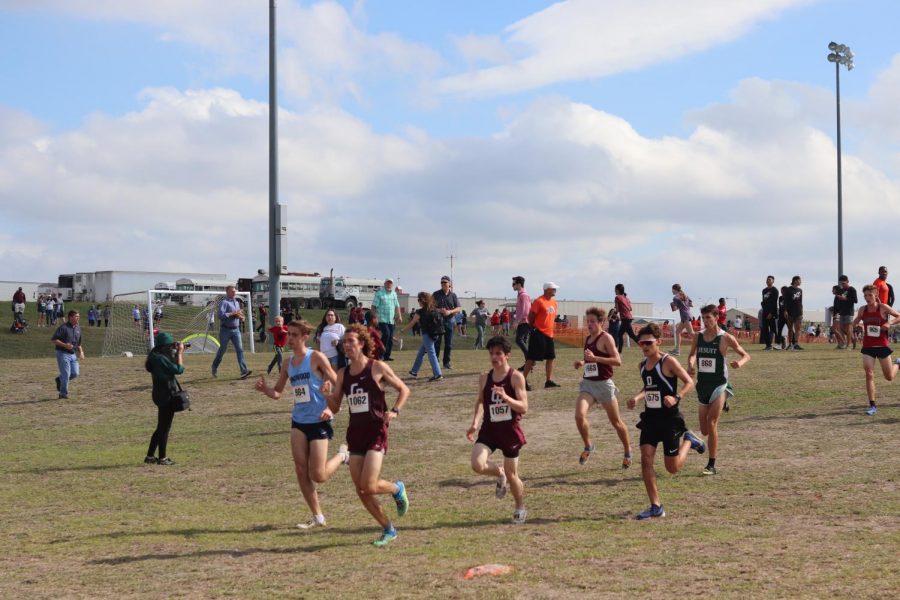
(805,505)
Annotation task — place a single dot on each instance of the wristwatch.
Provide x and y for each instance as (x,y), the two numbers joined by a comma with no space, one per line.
(678,397)
(395,411)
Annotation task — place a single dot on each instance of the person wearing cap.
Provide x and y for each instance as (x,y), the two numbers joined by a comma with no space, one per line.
(540,343)
(164,362)
(387,307)
(448,305)
(481,318)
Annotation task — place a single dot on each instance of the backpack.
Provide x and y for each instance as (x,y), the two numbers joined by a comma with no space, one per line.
(432,323)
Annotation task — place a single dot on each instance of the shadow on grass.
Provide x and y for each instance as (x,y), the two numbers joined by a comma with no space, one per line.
(45,470)
(21,402)
(122,560)
(567,479)
(858,409)
(187,533)
(253,413)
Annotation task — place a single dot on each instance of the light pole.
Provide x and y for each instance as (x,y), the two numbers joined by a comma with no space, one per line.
(840,55)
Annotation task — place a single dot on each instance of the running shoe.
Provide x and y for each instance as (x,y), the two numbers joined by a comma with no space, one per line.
(871,410)
(402,500)
(387,536)
(551,384)
(150,460)
(344,451)
(165,461)
(62,397)
(626,460)
(502,486)
(707,470)
(312,523)
(519,516)
(413,375)
(696,443)
(436,378)
(585,454)
(654,512)
(214,373)
(246,374)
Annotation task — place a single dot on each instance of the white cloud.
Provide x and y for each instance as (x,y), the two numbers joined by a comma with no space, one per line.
(585,39)
(564,192)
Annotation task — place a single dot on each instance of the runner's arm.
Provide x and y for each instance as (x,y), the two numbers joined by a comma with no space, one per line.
(479,409)
(520,402)
(736,346)
(608,347)
(272,392)
(674,368)
(383,372)
(337,394)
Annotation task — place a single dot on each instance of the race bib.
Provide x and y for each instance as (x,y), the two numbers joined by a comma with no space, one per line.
(359,403)
(500,412)
(653,399)
(706,365)
(301,394)
(873,330)
(591,369)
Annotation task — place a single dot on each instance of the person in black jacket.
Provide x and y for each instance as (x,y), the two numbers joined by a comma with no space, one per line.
(164,362)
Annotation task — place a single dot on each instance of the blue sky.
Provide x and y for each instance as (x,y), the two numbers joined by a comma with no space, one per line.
(689,142)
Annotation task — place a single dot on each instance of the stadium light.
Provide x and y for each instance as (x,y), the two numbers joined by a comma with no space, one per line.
(840,55)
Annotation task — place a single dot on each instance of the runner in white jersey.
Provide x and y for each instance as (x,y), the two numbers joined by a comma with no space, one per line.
(310,376)
(597,386)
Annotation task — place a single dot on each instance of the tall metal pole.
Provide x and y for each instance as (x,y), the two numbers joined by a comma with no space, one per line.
(840,213)
(277,231)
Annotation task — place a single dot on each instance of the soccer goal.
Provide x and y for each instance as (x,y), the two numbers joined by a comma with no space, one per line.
(189,317)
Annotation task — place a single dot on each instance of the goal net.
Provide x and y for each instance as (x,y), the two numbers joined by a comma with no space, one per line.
(189,317)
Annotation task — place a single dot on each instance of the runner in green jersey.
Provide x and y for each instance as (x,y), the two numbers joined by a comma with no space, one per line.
(707,360)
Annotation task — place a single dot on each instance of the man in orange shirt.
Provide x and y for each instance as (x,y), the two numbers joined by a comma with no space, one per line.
(881,286)
(540,343)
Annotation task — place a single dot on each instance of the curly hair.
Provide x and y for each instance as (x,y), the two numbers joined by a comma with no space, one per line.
(427,300)
(362,334)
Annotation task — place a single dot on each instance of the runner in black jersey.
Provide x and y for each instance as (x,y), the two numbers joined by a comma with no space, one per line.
(502,400)
(597,387)
(363,381)
(708,361)
(661,420)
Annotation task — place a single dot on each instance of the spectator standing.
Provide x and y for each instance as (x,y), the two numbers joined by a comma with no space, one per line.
(504,321)
(769,314)
(523,307)
(279,341)
(846,300)
(231,315)
(41,306)
(793,309)
(67,339)
(18,303)
(882,287)
(92,316)
(495,323)
(722,315)
(623,309)
(448,305)
(329,334)
(107,314)
(481,318)
(540,343)
(387,307)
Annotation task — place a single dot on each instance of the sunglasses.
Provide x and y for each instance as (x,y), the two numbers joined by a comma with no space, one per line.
(646,343)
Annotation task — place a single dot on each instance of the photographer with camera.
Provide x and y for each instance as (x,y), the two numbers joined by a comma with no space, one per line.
(164,362)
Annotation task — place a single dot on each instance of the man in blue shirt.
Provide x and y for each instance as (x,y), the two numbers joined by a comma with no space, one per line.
(387,306)
(67,340)
(231,315)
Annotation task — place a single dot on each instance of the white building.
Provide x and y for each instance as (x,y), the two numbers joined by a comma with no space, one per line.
(8,288)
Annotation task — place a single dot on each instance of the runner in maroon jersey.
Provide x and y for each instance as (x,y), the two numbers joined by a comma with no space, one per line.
(597,387)
(363,381)
(502,400)
(874,318)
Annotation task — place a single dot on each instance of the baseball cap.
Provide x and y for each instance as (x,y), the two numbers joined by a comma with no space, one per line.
(445,278)
(549,285)
(386,279)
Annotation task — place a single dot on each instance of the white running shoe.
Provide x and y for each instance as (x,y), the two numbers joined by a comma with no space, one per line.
(312,523)
(519,516)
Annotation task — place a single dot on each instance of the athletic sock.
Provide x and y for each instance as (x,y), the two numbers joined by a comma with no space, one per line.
(319,518)
(711,464)
(871,403)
